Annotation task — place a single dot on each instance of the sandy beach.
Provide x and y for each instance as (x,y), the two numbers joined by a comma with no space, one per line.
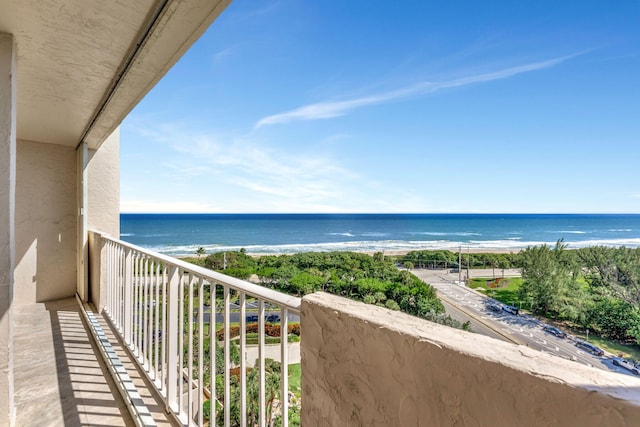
(404,252)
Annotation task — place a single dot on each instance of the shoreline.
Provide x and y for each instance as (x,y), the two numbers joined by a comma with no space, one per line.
(398,252)
(401,252)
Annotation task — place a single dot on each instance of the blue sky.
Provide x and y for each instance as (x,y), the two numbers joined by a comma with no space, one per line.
(419,106)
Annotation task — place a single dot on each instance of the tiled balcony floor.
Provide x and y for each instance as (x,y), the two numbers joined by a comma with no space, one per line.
(60,377)
(149,397)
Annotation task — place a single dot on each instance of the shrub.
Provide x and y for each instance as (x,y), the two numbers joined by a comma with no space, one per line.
(270,329)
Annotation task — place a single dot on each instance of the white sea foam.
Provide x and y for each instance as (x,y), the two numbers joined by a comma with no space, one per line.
(374,234)
(630,243)
(347,234)
(441,233)
(391,245)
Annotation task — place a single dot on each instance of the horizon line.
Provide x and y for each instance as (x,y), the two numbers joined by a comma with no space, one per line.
(379,213)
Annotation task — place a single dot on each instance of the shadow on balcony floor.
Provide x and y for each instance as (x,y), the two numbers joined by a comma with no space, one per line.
(60,379)
(147,392)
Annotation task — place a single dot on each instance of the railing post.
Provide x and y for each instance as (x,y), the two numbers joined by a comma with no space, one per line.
(227,357)
(145,299)
(261,355)
(128,294)
(243,359)
(174,372)
(284,367)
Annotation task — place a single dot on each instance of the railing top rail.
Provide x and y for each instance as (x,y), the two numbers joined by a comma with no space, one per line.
(284,300)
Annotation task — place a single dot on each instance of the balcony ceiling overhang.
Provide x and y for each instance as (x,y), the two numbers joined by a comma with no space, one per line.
(82,65)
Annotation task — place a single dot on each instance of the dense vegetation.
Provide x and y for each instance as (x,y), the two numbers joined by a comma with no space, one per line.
(448,259)
(370,279)
(273,374)
(596,287)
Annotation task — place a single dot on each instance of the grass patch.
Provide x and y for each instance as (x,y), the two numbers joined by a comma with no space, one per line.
(295,374)
(252,338)
(506,291)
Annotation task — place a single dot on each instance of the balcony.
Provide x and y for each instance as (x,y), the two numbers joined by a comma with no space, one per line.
(137,361)
(137,357)
(361,364)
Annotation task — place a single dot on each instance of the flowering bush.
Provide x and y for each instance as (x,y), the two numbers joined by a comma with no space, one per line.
(272,330)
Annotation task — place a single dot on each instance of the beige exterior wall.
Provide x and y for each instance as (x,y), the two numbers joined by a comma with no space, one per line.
(368,366)
(45,222)
(7,220)
(96,290)
(103,207)
(104,186)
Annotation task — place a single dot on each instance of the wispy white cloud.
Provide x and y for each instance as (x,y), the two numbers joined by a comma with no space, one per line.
(222,54)
(330,109)
(263,175)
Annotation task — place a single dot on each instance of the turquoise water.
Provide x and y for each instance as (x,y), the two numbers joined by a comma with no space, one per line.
(179,234)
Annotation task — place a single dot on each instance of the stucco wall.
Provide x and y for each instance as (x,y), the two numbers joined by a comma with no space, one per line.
(368,366)
(45,222)
(7,216)
(97,289)
(104,186)
(103,207)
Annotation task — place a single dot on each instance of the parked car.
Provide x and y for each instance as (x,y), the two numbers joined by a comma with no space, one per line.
(252,317)
(596,351)
(511,309)
(273,318)
(554,331)
(495,307)
(626,364)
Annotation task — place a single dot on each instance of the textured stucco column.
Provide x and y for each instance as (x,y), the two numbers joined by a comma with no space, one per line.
(103,192)
(7,220)
(103,187)
(364,365)
(97,278)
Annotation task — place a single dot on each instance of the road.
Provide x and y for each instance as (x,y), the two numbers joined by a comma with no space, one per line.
(464,304)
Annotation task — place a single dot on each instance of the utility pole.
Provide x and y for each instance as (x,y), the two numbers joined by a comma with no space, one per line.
(460,265)
(468,262)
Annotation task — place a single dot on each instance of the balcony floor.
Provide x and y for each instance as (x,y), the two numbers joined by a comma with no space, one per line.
(60,378)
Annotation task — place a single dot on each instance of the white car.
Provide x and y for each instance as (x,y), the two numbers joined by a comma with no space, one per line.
(623,363)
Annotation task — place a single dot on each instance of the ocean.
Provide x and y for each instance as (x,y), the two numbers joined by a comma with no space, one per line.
(183,234)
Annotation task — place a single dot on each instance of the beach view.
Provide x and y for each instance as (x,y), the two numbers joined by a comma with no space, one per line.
(288,213)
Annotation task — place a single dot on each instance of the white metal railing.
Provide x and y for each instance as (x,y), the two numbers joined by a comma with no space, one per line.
(159,304)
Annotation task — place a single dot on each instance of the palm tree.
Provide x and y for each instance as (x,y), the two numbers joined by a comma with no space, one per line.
(272,391)
(200,252)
